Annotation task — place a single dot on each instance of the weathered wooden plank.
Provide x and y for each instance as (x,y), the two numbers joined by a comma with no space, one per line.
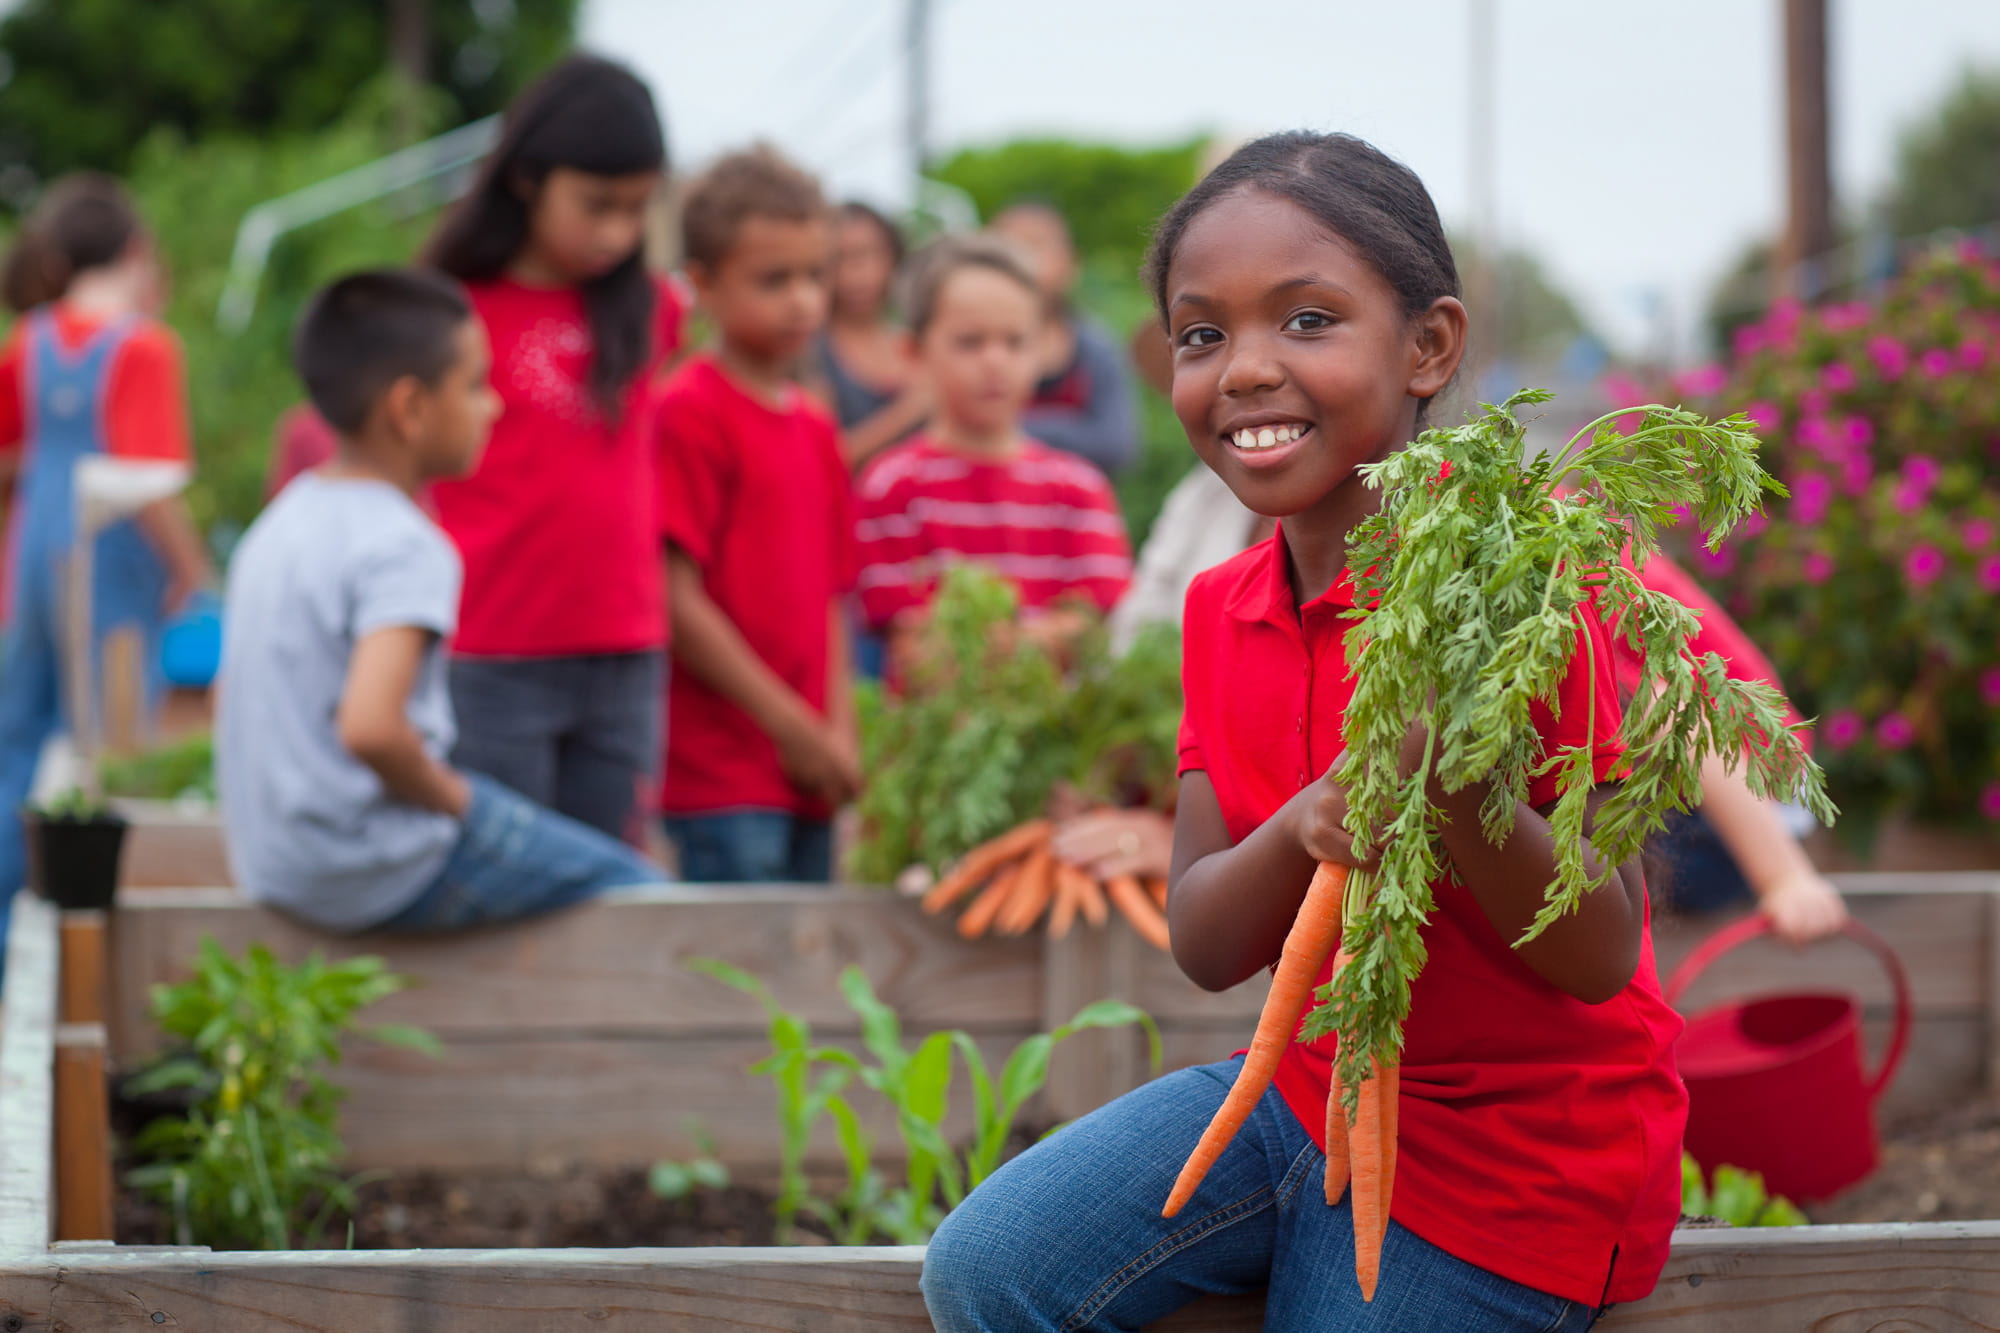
(166,848)
(1092,1067)
(85,1194)
(617,966)
(540,1102)
(27,1077)
(1937,1276)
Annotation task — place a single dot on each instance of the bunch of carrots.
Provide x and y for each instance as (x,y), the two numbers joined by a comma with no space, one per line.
(1019,879)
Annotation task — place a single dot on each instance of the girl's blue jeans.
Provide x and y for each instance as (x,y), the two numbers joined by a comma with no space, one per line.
(1068,1236)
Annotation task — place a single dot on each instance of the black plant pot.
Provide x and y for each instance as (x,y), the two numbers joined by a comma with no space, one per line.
(74,862)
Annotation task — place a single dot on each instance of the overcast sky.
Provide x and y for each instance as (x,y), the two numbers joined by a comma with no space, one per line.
(1638,146)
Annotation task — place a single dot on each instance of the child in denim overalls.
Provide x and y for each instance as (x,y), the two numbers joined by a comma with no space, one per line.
(87,371)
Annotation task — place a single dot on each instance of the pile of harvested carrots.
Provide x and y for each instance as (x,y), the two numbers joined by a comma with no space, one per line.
(1019,880)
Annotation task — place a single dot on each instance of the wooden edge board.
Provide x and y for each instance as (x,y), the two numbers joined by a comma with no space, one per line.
(27,1076)
(1721,1281)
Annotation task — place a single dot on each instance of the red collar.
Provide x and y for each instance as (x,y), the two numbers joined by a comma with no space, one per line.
(1263,590)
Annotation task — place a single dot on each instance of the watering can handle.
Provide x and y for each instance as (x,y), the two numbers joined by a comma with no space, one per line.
(1739,932)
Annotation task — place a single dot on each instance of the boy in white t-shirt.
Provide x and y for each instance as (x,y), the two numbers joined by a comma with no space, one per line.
(334,718)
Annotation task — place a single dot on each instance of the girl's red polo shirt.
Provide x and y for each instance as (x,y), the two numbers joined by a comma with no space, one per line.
(1540,1136)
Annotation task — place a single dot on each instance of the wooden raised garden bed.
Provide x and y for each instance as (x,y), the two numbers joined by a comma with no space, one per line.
(582,1039)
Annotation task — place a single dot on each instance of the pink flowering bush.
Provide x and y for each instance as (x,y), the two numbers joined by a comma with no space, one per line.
(1876,586)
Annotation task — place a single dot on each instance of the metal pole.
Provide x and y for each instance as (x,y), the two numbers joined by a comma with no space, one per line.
(917,70)
(1483,289)
(1809,179)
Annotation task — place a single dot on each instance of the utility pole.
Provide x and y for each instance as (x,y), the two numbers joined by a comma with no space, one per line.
(1809,178)
(917,95)
(409,58)
(1483,288)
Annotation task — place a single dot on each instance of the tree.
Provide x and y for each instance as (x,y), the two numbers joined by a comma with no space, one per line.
(1948,165)
(85,81)
(1538,320)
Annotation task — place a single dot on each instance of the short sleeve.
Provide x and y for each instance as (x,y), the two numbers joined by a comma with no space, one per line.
(408,580)
(846,553)
(1588,711)
(1197,610)
(13,426)
(147,416)
(695,477)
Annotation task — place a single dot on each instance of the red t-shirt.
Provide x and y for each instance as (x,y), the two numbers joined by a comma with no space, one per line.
(301,442)
(1540,1136)
(1715,633)
(557,527)
(1044,519)
(145,393)
(757,496)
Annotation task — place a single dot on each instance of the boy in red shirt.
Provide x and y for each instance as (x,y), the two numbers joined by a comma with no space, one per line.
(973,489)
(760,746)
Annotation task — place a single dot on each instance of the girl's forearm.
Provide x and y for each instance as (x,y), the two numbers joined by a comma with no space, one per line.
(1231,906)
(1749,826)
(169,527)
(1590,953)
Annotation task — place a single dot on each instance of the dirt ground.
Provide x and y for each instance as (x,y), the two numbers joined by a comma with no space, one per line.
(1943,1167)
(579,1207)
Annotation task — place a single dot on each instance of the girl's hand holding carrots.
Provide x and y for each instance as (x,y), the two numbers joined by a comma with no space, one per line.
(1318,814)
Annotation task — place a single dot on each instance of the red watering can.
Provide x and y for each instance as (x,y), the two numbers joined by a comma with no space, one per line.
(1775,1083)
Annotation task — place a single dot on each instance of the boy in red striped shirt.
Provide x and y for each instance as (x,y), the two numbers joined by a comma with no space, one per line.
(973,489)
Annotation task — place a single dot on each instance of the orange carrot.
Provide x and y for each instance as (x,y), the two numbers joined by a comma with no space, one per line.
(1091,901)
(982,861)
(987,905)
(1069,897)
(1032,890)
(1336,1120)
(1139,908)
(1310,940)
(1369,1153)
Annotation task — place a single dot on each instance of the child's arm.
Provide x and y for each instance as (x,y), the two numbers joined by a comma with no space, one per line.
(373,721)
(888,423)
(708,645)
(169,527)
(1802,905)
(1231,905)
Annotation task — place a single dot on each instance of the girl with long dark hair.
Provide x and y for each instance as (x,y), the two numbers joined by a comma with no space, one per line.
(556,666)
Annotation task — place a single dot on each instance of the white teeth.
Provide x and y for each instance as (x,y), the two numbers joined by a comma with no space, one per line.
(1253,438)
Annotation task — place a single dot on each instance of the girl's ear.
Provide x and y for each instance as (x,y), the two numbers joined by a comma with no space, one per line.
(1439,334)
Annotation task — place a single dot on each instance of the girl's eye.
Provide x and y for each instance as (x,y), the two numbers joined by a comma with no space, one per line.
(1201,335)
(1308,321)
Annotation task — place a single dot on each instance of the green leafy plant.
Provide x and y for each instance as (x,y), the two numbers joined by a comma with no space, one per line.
(988,725)
(253,1162)
(1470,580)
(681,1179)
(186,768)
(1738,1198)
(811,1082)
(72,805)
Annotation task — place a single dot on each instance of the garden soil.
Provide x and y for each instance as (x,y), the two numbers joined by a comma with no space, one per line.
(1942,1167)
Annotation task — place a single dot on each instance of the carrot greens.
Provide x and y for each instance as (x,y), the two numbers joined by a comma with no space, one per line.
(1471,582)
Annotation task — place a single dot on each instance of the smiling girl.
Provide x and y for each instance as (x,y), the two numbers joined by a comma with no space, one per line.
(1313,308)
(555,670)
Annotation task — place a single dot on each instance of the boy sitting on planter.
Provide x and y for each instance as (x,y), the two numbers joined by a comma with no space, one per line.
(333,716)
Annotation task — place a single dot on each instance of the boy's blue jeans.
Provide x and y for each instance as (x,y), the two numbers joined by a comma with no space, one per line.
(1068,1236)
(515,859)
(752,847)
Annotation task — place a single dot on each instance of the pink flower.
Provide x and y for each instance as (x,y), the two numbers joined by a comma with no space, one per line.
(1715,563)
(1847,315)
(1923,566)
(1813,402)
(1936,363)
(1753,526)
(1856,474)
(1971,355)
(1785,313)
(1894,732)
(1921,470)
(1989,686)
(1989,574)
(1702,382)
(1818,567)
(1811,494)
(1624,391)
(1844,729)
(1989,801)
(1817,434)
(1977,534)
(1749,340)
(1859,431)
(1767,416)
(1838,377)
(1891,358)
